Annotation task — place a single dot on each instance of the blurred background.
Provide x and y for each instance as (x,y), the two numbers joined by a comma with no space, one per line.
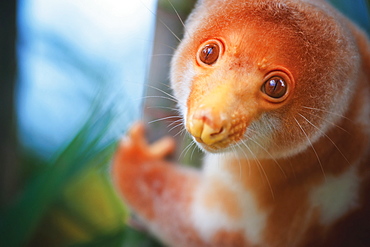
(74,76)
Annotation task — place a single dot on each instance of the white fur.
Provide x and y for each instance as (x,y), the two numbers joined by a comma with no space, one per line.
(182,93)
(336,196)
(208,221)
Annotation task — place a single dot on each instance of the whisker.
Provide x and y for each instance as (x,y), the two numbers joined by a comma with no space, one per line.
(326,111)
(151,41)
(164,24)
(160,83)
(175,122)
(162,55)
(174,127)
(267,179)
(258,136)
(178,16)
(163,107)
(263,171)
(169,29)
(164,45)
(161,119)
(246,157)
(159,96)
(181,132)
(276,162)
(335,145)
(314,150)
(234,152)
(194,148)
(164,92)
(336,125)
(186,149)
(292,168)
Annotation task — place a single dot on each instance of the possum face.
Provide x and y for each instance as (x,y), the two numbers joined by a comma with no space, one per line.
(263,79)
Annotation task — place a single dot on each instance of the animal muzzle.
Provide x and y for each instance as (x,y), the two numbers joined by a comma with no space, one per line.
(216,122)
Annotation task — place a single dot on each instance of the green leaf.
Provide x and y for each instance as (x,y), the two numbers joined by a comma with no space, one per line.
(62,179)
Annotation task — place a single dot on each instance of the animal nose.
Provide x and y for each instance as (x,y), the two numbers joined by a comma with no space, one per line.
(208,126)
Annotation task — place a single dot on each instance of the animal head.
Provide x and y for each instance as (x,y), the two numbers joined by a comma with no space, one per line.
(262,77)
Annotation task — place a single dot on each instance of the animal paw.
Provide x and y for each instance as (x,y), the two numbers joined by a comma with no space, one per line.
(134,148)
(136,165)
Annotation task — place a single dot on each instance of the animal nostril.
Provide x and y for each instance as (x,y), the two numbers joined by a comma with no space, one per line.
(219,132)
(208,126)
(211,135)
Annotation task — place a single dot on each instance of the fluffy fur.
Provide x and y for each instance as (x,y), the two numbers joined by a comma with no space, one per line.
(287,171)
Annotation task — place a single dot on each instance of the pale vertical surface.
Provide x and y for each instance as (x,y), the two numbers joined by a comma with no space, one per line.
(68,51)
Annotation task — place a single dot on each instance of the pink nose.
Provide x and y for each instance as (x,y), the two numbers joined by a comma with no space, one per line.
(208,126)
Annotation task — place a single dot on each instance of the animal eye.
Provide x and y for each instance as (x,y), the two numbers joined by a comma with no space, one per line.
(275,87)
(209,53)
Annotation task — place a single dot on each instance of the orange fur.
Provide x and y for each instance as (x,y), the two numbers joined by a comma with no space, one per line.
(293,169)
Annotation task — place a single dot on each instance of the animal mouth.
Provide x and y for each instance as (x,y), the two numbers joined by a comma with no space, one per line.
(213,147)
(216,139)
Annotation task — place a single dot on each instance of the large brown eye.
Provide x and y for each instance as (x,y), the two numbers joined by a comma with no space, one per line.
(209,53)
(275,87)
